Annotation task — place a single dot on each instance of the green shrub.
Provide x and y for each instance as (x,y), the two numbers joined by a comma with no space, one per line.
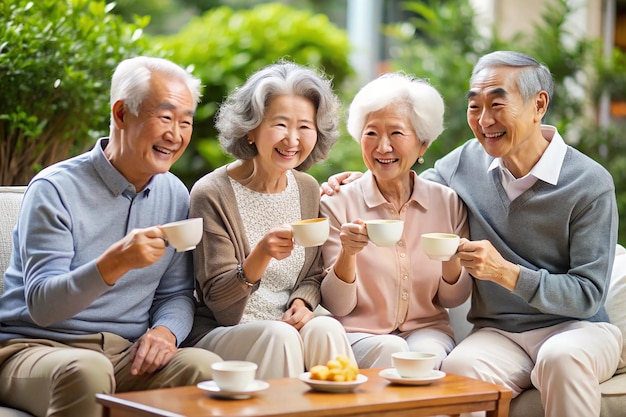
(56,60)
(226,46)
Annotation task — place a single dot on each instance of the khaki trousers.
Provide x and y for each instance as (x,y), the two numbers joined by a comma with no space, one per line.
(48,378)
(374,350)
(277,347)
(566,363)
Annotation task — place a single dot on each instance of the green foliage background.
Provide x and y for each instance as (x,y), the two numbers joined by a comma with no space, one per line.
(56,59)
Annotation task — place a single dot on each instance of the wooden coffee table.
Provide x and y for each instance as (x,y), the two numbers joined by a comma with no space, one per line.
(451,395)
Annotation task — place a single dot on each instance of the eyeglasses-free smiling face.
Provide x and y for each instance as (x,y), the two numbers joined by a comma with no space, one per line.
(287,134)
(389,143)
(154,139)
(504,124)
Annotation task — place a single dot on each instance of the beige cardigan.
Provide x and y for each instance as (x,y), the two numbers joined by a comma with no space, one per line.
(222,297)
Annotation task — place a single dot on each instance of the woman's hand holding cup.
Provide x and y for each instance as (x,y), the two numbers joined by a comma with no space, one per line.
(278,242)
(353,237)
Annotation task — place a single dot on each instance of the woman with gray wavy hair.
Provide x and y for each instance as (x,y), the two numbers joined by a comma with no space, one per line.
(244,110)
(393,298)
(256,289)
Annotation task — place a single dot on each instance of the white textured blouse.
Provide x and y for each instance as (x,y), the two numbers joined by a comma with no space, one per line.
(260,212)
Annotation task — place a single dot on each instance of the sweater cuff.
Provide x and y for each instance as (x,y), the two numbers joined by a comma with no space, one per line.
(527,283)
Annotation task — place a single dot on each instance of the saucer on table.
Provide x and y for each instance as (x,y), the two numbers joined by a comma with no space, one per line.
(242,394)
(391,375)
(332,386)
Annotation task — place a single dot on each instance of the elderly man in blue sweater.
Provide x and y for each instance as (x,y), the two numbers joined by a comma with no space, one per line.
(543,228)
(94,301)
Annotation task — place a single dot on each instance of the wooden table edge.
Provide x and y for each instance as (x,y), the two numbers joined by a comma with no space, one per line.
(500,399)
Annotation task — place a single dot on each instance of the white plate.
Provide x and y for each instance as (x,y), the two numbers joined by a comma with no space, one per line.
(390,374)
(255,387)
(332,386)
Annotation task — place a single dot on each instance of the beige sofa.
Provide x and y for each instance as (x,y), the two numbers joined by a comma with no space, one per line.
(10,198)
(526,405)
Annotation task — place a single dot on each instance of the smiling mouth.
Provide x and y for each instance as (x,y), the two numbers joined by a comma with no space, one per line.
(164,151)
(493,135)
(386,161)
(286,153)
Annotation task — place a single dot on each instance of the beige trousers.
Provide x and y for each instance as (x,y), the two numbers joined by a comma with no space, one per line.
(565,362)
(374,350)
(277,347)
(48,378)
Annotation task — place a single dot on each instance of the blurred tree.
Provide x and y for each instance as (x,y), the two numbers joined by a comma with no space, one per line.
(606,144)
(56,61)
(166,16)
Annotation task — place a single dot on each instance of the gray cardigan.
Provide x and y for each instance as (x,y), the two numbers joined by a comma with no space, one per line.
(562,236)
(222,297)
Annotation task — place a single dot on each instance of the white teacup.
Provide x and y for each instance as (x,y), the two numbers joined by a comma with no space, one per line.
(310,232)
(440,246)
(233,375)
(384,232)
(183,235)
(413,364)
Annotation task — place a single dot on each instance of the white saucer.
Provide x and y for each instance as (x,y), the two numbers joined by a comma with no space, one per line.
(242,394)
(390,374)
(332,386)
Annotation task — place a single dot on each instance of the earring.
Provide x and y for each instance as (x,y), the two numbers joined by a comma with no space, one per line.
(420,160)
(250,141)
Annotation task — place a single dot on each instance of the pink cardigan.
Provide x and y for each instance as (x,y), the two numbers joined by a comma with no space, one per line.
(397,288)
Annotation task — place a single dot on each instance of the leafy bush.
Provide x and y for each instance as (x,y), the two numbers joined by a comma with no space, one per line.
(226,46)
(56,60)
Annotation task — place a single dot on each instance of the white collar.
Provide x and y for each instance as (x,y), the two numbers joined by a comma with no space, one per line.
(549,165)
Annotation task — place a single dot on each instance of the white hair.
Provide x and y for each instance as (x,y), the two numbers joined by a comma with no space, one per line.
(131,80)
(424,101)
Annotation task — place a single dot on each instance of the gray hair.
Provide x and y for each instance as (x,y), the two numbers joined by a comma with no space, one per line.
(244,108)
(533,76)
(424,101)
(131,80)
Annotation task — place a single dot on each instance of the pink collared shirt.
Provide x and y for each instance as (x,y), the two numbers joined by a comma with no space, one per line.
(397,288)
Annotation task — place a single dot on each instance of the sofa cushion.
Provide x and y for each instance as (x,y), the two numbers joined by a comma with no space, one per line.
(616,298)
(613,396)
(10,199)
(528,403)
(10,412)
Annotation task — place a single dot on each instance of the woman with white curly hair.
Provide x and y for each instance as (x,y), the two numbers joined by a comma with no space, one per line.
(393,299)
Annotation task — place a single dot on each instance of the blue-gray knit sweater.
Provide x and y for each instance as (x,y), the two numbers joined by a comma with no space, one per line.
(563,237)
(71,213)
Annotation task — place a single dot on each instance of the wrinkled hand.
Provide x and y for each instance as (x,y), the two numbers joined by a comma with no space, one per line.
(152,351)
(278,242)
(353,237)
(335,181)
(298,314)
(138,249)
(484,262)
(143,247)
